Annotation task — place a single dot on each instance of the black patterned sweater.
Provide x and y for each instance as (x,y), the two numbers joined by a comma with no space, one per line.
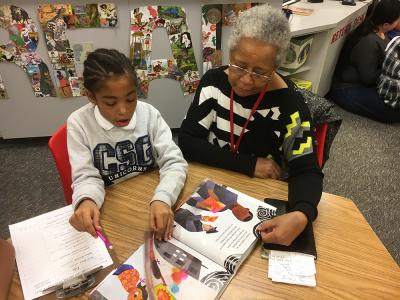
(280,129)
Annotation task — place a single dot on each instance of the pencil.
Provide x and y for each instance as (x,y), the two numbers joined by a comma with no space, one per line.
(104,239)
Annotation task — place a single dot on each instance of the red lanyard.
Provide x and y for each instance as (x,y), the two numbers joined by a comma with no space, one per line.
(235,146)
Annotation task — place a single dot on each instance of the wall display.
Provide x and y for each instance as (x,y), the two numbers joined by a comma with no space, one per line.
(21,50)
(81,51)
(77,87)
(108,14)
(3,93)
(182,66)
(214,16)
(55,19)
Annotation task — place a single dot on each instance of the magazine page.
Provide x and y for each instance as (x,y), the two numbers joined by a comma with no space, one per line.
(220,223)
(171,271)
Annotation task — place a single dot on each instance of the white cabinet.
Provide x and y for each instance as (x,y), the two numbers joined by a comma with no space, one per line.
(329,23)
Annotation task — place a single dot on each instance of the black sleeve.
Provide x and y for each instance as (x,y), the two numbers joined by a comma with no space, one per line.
(193,136)
(305,176)
(305,191)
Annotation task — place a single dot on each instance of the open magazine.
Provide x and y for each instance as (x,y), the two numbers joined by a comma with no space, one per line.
(214,231)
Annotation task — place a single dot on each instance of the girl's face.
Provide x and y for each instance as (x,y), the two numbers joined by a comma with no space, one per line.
(116,99)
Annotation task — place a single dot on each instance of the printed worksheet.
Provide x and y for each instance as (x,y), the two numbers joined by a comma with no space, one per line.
(49,251)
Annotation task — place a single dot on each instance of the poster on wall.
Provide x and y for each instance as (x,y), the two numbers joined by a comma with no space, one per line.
(55,19)
(214,17)
(21,50)
(182,66)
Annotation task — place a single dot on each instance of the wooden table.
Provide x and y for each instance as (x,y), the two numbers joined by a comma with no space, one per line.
(352,262)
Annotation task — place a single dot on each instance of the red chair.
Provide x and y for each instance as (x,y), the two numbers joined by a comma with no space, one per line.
(320,135)
(58,147)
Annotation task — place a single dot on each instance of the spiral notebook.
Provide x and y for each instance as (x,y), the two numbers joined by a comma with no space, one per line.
(50,251)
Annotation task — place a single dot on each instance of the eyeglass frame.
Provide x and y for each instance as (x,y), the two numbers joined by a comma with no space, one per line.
(253,75)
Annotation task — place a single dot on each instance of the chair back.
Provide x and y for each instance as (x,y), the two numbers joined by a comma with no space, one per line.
(320,135)
(59,150)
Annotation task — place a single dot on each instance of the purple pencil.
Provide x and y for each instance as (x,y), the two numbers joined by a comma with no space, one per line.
(104,239)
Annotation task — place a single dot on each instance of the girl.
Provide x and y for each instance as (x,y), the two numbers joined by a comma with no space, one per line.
(116,137)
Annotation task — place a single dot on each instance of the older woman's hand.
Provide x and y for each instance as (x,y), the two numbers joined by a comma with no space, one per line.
(267,168)
(283,229)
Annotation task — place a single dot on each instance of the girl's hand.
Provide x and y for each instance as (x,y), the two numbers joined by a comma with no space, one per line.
(283,229)
(86,217)
(161,220)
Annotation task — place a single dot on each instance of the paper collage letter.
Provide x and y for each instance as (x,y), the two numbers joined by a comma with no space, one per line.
(182,67)
(55,19)
(21,50)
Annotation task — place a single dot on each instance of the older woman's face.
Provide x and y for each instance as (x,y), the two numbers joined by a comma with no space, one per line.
(254,56)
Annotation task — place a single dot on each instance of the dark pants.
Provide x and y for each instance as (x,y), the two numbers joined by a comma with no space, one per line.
(364,101)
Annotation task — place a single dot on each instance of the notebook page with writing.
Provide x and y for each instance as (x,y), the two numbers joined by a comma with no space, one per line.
(49,251)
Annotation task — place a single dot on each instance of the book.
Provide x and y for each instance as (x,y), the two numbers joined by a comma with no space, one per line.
(304,243)
(49,251)
(214,231)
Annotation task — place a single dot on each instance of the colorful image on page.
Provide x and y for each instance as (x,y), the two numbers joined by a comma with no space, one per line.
(221,222)
(126,282)
(177,272)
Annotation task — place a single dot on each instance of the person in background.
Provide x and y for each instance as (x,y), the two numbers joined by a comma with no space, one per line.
(360,64)
(389,80)
(394,32)
(246,118)
(7,265)
(115,137)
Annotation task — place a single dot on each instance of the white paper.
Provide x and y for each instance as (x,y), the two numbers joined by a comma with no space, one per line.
(293,279)
(49,251)
(291,267)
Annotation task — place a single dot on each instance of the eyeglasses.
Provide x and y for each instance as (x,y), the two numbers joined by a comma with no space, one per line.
(255,76)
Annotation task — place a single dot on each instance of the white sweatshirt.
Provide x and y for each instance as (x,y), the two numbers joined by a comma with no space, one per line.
(102,154)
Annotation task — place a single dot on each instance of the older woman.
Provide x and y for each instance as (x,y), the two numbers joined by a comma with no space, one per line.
(247,118)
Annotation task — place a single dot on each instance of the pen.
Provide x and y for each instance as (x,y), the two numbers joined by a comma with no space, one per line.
(104,239)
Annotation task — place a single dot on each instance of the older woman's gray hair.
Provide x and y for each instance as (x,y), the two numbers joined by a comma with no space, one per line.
(263,23)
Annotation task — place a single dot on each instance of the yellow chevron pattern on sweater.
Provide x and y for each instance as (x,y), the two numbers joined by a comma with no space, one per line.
(303,146)
(289,127)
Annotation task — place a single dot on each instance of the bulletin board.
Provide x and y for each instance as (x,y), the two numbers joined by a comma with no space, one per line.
(22,114)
